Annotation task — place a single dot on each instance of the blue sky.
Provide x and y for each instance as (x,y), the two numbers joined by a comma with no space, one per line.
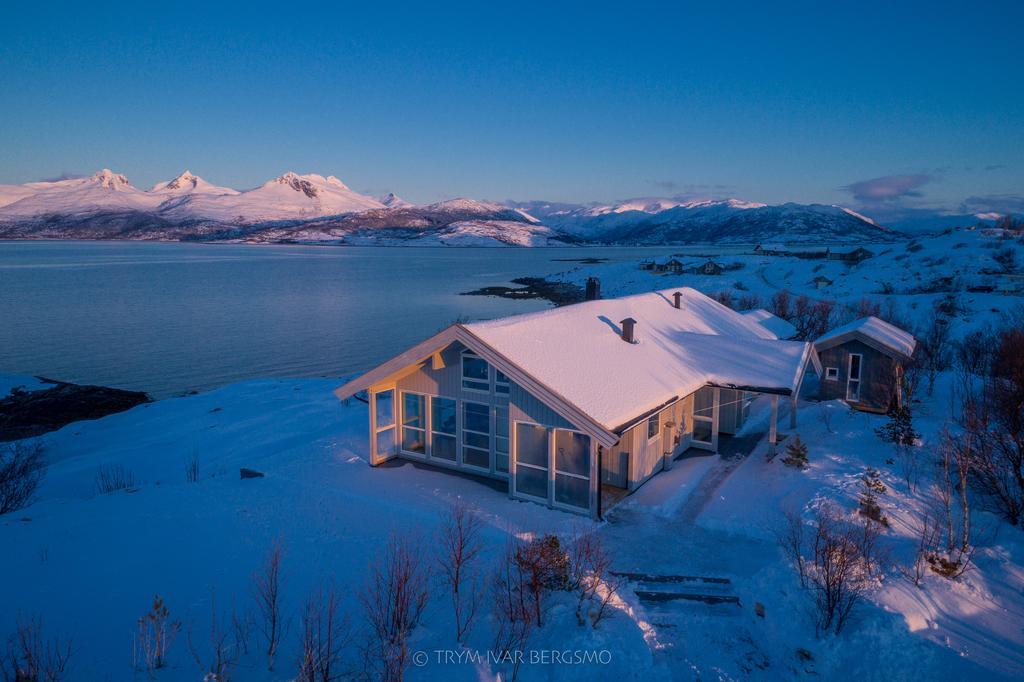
(887,105)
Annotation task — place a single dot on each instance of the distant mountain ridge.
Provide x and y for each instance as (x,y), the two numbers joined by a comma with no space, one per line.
(317,209)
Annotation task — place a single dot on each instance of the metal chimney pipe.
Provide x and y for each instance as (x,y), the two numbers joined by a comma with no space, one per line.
(678,297)
(628,327)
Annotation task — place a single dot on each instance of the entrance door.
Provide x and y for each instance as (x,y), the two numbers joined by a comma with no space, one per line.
(705,418)
(853,377)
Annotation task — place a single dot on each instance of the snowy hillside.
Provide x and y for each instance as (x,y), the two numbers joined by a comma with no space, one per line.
(196,539)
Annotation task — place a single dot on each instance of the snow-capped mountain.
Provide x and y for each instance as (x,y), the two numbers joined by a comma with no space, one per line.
(296,208)
(187,183)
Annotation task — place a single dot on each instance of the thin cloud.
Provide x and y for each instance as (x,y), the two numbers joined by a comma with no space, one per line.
(995,166)
(889,188)
(993,203)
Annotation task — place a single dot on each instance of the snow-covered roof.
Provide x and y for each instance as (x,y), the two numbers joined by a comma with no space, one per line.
(773,323)
(575,360)
(877,333)
(577,352)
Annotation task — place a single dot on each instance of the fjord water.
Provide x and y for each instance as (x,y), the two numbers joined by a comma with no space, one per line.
(167,318)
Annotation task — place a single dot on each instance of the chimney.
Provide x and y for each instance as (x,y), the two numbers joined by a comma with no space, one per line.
(593,289)
(628,326)
(677,299)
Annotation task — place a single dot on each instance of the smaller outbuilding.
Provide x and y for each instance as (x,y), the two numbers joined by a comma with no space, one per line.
(821,282)
(863,363)
(709,267)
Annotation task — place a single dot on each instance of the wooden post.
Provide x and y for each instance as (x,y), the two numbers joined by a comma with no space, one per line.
(714,418)
(773,426)
(792,414)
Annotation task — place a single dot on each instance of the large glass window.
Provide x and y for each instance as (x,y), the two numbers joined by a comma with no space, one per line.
(501,383)
(384,417)
(476,435)
(532,460)
(501,439)
(703,415)
(572,468)
(442,428)
(653,425)
(414,423)
(475,371)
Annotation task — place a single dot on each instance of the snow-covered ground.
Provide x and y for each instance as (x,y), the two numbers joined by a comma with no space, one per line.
(89,564)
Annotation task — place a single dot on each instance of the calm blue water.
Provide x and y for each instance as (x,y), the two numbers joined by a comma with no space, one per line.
(168,317)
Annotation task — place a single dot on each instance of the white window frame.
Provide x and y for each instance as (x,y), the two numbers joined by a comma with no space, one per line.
(555,471)
(507,437)
(463,378)
(657,432)
(501,387)
(831,374)
(850,378)
(490,437)
(430,444)
(514,463)
(376,457)
(400,423)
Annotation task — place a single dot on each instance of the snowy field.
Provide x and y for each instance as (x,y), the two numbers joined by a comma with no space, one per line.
(88,564)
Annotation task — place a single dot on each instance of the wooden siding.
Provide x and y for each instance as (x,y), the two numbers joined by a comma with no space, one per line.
(878,375)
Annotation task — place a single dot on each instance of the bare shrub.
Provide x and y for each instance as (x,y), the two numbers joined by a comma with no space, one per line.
(546,566)
(113,477)
(927,538)
(748,302)
(266,589)
(22,469)
(154,636)
(837,561)
(459,550)
(511,607)
(32,657)
(326,632)
(224,649)
(933,348)
(393,602)
(590,578)
(192,471)
(780,304)
(956,458)
(725,298)
(811,318)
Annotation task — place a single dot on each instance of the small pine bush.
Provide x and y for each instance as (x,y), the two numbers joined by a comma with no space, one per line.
(900,427)
(796,454)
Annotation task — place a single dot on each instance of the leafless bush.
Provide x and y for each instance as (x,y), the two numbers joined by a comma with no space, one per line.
(926,543)
(837,561)
(266,588)
(933,348)
(21,471)
(780,304)
(546,566)
(590,578)
(748,302)
(459,550)
(113,477)
(511,607)
(974,352)
(826,416)
(31,657)
(957,455)
(192,471)
(326,632)
(725,298)
(218,664)
(811,318)
(393,602)
(154,636)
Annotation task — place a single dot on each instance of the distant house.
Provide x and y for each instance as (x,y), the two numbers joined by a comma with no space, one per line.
(708,268)
(855,256)
(863,363)
(821,282)
(770,250)
(577,406)
(674,266)
(773,323)
(647,264)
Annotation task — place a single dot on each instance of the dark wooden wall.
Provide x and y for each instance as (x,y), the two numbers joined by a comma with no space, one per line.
(878,375)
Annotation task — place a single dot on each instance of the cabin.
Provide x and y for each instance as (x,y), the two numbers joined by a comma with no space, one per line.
(709,267)
(782,329)
(674,266)
(863,363)
(576,407)
(821,282)
(855,256)
(771,250)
